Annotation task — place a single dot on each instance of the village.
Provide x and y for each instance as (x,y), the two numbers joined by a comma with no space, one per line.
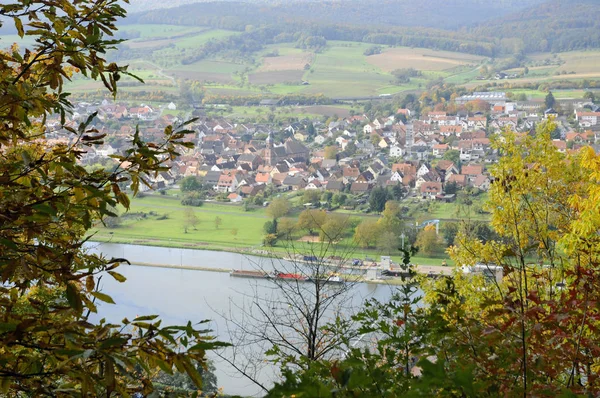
(430,157)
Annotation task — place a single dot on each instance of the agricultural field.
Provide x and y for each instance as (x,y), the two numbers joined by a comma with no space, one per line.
(421,59)
(340,70)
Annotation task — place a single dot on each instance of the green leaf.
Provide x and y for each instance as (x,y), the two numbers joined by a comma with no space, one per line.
(103,297)
(117,276)
(73,297)
(19,26)
(8,327)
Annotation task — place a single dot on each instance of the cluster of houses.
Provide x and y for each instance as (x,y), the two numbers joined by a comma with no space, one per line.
(243,160)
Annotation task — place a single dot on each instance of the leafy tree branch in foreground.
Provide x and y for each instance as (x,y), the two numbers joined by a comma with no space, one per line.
(48,203)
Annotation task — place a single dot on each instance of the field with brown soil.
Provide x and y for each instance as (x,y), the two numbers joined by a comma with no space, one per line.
(421,59)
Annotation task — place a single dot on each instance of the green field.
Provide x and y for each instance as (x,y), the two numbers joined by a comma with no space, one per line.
(340,70)
(159,220)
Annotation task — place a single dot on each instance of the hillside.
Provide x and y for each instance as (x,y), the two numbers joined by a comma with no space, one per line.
(446,14)
(471,26)
(559,25)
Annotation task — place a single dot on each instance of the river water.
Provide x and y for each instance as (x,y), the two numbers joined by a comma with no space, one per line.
(180,295)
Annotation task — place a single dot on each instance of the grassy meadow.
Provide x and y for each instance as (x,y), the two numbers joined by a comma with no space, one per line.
(160,221)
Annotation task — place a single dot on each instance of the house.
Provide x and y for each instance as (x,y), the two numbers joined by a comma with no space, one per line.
(294,183)
(396,151)
(249,159)
(560,145)
(359,187)
(472,171)
(459,179)
(172,106)
(319,139)
(263,178)
(482,182)
(350,174)
(430,190)
(446,168)
(334,186)
(234,197)
(227,183)
(211,179)
(587,119)
(314,185)
(439,150)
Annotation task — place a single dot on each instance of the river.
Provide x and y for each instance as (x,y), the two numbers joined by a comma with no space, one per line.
(180,295)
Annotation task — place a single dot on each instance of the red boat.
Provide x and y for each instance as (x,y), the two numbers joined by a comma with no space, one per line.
(283,275)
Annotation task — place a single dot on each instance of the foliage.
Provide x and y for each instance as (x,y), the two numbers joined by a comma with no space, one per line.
(334,228)
(427,240)
(549,101)
(366,233)
(330,152)
(286,227)
(311,196)
(270,240)
(193,199)
(312,220)
(377,199)
(190,220)
(279,207)
(48,203)
(189,184)
(218,221)
(270,227)
(390,220)
(180,383)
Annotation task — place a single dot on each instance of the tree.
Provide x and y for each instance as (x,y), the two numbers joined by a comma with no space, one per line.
(326,196)
(334,228)
(366,233)
(270,240)
(270,227)
(452,155)
(218,221)
(449,232)
(390,220)
(286,228)
(287,326)
(190,220)
(427,240)
(339,199)
(451,188)
(190,184)
(330,152)
(312,220)
(388,242)
(49,203)
(549,101)
(311,196)
(590,96)
(279,207)
(377,199)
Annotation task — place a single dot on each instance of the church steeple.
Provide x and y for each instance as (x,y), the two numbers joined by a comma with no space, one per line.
(269,154)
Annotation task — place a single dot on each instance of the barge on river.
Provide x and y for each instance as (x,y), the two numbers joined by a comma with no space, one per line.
(334,278)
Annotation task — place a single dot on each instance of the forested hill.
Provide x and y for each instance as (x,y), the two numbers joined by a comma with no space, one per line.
(446,14)
(559,25)
(482,27)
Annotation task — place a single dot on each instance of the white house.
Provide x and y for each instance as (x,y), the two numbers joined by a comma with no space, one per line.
(396,151)
(172,106)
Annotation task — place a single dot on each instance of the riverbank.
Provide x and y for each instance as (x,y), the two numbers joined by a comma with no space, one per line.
(274,252)
(392,281)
